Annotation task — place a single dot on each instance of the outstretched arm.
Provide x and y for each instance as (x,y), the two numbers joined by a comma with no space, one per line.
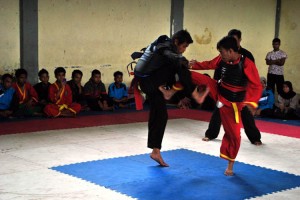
(212,64)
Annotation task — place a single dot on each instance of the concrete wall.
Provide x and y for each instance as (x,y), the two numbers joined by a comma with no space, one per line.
(289,35)
(9,36)
(98,34)
(211,20)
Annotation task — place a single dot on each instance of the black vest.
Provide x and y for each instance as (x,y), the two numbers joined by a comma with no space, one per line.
(233,75)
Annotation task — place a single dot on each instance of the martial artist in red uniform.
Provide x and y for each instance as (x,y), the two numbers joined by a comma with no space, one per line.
(239,86)
(26,96)
(60,96)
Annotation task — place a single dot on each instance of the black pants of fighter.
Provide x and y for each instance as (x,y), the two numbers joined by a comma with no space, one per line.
(158,115)
(251,130)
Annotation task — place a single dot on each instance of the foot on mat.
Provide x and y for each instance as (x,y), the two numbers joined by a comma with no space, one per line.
(159,160)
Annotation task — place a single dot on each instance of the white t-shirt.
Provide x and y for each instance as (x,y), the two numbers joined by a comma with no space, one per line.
(275,55)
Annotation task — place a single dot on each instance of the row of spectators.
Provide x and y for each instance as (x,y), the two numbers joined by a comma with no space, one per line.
(285,107)
(18,98)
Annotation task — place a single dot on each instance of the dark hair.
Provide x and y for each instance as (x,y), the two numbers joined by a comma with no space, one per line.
(5,76)
(182,36)
(117,73)
(43,71)
(235,32)
(19,72)
(76,71)
(276,40)
(289,84)
(59,70)
(228,42)
(95,72)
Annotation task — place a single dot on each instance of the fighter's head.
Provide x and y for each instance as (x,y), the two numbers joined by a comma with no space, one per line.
(182,39)
(228,48)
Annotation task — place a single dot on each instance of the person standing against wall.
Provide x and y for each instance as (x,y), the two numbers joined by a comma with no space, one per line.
(276,59)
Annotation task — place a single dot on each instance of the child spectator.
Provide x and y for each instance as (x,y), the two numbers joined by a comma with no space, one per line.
(95,93)
(60,96)
(118,92)
(42,87)
(6,96)
(26,96)
(287,102)
(77,88)
(266,102)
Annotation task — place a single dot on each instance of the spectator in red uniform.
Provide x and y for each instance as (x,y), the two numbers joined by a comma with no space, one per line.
(60,96)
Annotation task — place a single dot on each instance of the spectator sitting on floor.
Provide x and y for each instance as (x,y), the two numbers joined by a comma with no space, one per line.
(26,96)
(60,96)
(266,102)
(6,96)
(95,93)
(42,87)
(118,92)
(287,102)
(77,89)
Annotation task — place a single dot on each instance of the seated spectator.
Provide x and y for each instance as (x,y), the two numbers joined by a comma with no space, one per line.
(118,92)
(26,96)
(95,93)
(42,87)
(266,102)
(77,88)
(6,96)
(287,103)
(60,96)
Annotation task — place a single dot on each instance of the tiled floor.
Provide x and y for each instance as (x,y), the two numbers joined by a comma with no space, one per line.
(25,158)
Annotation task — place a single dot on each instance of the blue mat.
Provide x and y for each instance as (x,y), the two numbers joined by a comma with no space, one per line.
(192,175)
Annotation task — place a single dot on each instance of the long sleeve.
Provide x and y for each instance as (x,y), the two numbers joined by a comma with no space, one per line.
(269,101)
(254,88)
(33,94)
(294,102)
(67,96)
(52,93)
(212,64)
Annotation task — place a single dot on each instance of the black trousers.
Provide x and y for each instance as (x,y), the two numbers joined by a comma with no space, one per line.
(272,80)
(251,130)
(158,115)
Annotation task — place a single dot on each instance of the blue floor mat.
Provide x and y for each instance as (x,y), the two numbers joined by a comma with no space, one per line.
(192,175)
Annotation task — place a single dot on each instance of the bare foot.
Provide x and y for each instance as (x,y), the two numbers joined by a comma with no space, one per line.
(155,155)
(167,93)
(229,170)
(257,143)
(200,97)
(206,139)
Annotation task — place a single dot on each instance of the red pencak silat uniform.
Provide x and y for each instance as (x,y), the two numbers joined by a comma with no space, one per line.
(239,85)
(25,93)
(61,102)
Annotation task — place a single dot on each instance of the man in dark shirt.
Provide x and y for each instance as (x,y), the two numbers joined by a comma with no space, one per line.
(158,66)
(95,93)
(77,88)
(251,130)
(42,87)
